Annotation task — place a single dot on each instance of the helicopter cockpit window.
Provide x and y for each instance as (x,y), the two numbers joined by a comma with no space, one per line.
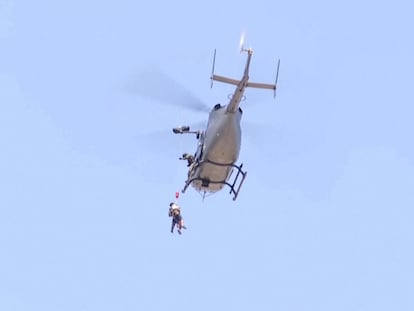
(240,110)
(216,107)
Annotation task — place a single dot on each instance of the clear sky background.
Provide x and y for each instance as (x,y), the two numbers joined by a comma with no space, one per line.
(89,92)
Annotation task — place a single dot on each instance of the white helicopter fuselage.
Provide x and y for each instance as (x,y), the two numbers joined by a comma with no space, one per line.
(211,167)
(218,151)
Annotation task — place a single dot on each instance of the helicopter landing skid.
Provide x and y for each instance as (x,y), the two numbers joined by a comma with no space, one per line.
(234,186)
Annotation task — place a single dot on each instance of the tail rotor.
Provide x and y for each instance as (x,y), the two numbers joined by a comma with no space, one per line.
(241,43)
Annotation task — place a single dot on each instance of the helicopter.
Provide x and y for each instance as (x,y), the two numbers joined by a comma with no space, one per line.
(213,165)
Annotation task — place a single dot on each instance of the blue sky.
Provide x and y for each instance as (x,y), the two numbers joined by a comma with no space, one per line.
(89,165)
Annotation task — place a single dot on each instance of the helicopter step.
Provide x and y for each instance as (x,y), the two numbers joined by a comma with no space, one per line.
(204,184)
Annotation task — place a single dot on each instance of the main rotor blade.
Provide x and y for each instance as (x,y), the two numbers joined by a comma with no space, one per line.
(156,85)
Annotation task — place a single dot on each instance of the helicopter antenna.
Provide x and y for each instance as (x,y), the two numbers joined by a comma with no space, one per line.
(277,77)
(212,70)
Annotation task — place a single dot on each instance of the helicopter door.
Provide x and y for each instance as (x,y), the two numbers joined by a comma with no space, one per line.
(199,153)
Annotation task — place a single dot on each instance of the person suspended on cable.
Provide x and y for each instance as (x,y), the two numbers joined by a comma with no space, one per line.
(177,219)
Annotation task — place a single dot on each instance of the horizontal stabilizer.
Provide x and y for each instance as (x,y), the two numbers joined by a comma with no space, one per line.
(225,80)
(249,84)
(261,85)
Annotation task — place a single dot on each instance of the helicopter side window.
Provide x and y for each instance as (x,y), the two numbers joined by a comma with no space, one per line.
(216,107)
